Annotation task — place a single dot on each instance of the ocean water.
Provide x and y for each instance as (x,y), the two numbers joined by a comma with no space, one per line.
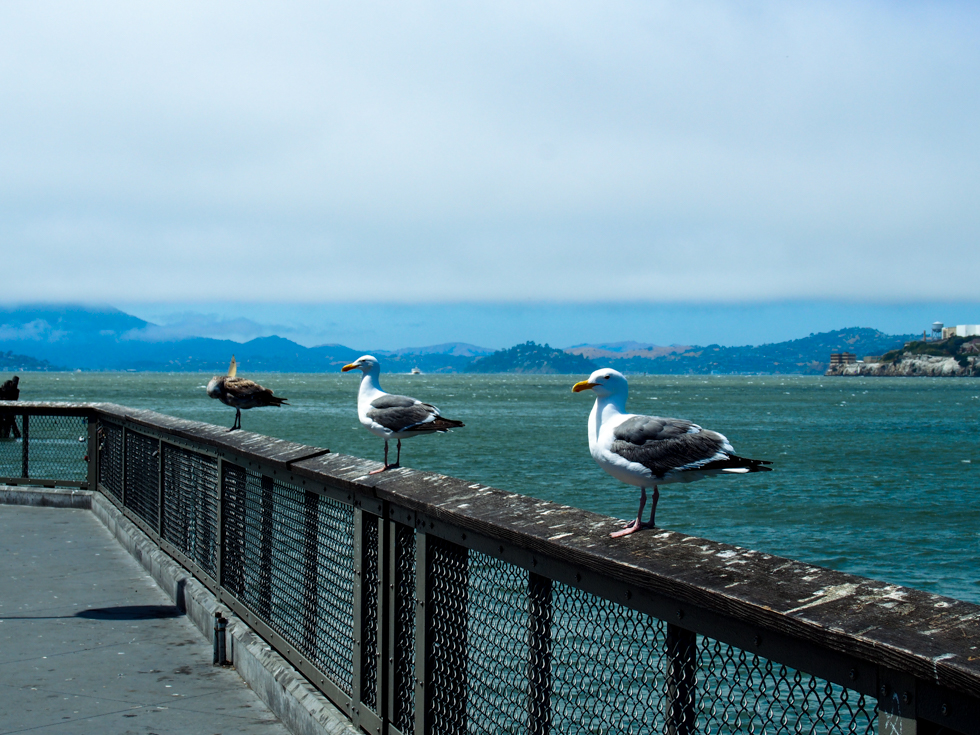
(873,476)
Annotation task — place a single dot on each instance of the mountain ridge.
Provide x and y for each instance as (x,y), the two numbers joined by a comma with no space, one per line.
(105,338)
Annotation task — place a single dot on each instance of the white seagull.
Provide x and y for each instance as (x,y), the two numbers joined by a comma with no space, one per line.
(387,415)
(648,451)
(240,393)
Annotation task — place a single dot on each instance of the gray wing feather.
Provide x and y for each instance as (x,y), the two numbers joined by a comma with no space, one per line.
(664,445)
(640,429)
(393,401)
(401,417)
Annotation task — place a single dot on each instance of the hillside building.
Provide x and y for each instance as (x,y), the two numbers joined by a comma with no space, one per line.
(962,330)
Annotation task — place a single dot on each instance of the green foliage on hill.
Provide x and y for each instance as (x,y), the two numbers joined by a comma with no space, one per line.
(10,362)
(959,347)
(532,358)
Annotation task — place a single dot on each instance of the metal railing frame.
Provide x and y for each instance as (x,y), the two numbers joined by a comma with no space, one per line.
(921,682)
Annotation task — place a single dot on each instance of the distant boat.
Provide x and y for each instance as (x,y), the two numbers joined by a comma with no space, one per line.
(416,371)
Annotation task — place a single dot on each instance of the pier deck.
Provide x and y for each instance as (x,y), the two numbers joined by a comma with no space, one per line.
(90,644)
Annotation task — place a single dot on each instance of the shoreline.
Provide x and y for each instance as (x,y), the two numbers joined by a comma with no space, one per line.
(918,366)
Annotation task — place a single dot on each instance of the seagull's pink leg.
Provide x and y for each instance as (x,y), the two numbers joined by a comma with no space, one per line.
(638,524)
(398,458)
(374,472)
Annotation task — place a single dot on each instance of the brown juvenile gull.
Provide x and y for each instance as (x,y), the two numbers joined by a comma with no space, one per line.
(387,415)
(648,451)
(241,393)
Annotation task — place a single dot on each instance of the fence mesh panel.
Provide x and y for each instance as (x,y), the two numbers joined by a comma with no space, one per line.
(298,576)
(143,477)
(513,652)
(448,606)
(607,666)
(190,505)
(739,692)
(56,447)
(110,439)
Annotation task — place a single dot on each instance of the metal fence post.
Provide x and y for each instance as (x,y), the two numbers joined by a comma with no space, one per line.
(539,648)
(265,553)
(122,465)
(219,526)
(311,551)
(442,579)
(160,478)
(423,637)
(682,663)
(358,654)
(897,704)
(93,453)
(402,617)
(25,439)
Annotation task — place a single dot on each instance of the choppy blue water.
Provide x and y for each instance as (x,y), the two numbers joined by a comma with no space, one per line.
(874,476)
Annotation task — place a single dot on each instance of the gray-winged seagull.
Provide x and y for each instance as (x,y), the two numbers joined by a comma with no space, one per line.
(387,415)
(648,451)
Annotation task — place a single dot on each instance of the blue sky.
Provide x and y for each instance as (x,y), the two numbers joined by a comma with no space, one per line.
(198,161)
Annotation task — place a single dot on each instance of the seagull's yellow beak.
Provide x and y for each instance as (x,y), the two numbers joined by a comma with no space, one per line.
(582,385)
(352,366)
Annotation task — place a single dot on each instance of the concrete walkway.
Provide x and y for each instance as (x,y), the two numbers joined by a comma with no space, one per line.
(90,644)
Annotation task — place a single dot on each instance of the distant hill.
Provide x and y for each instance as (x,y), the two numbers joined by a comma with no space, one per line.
(56,321)
(805,356)
(9,362)
(619,350)
(449,357)
(103,338)
(531,358)
(453,349)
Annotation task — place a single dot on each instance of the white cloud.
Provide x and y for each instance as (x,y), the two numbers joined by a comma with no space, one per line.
(444,151)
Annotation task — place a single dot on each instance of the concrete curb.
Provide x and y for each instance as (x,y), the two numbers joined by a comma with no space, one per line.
(46,497)
(301,707)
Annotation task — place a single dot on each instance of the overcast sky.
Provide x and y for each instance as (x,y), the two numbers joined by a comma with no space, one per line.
(422,152)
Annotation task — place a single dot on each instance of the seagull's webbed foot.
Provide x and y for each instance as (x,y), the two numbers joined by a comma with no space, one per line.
(632,527)
(394,466)
(638,524)
(386,465)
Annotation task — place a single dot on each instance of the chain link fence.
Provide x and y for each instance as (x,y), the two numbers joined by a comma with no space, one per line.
(409,632)
(47,449)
